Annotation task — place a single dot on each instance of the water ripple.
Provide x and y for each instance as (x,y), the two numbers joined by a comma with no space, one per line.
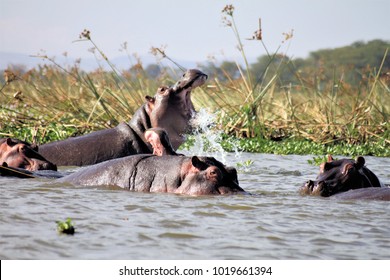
(274,223)
(178,235)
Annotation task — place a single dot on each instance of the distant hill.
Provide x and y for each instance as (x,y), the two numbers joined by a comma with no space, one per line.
(359,54)
(349,63)
(8,58)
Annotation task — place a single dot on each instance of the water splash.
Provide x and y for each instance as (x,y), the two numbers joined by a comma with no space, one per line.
(207,138)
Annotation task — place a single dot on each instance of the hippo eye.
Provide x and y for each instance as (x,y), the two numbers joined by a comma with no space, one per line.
(22,149)
(162,89)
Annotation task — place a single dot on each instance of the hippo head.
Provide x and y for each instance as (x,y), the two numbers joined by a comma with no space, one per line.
(171,108)
(339,176)
(207,176)
(20,154)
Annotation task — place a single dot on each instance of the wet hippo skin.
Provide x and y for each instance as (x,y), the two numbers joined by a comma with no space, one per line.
(366,193)
(172,174)
(171,109)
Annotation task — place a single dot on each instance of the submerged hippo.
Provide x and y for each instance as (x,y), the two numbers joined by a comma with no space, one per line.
(150,173)
(157,137)
(19,154)
(346,178)
(172,174)
(171,108)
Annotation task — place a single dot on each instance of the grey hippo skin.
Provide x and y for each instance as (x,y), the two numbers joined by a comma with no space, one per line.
(15,153)
(346,179)
(367,193)
(171,109)
(171,174)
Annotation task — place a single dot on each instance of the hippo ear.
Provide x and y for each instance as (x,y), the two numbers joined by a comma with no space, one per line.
(232,173)
(196,162)
(330,158)
(34,147)
(150,101)
(10,142)
(360,161)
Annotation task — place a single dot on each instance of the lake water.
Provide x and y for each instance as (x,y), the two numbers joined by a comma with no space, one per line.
(275,223)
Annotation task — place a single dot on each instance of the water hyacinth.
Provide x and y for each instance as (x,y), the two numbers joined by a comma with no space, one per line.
(66,226)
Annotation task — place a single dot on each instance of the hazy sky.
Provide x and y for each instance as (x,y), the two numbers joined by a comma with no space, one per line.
(190,30)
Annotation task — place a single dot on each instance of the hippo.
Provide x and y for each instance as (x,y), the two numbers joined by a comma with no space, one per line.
(365,193)
(165,171)
(171,108)
(160,142)
(169,173)
(15,153)
(157,137)
(346,179)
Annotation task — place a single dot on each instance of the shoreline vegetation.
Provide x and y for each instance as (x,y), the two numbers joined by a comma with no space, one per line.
(276,105)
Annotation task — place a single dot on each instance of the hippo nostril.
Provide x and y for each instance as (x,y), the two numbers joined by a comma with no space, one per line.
(310,184)
(44,166)
(48,166)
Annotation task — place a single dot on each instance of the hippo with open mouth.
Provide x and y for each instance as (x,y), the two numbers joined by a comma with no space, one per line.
(164,171)
(346,179)
(171,108)
(15,153)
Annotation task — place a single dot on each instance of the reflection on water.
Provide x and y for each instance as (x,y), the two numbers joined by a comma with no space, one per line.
(275,223)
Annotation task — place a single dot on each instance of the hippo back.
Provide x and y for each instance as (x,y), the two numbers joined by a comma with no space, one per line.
(115,172)
(365,193)
(149,173)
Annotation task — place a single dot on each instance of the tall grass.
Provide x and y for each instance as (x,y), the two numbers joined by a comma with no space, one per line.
(52,102)
(324,112)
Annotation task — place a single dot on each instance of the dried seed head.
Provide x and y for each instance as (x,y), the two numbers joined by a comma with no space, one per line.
(228,9)
(123,46)
(18,95)
(226,22)
(158,51)
(288,36)
(9,76)
(257,35)
(86,34)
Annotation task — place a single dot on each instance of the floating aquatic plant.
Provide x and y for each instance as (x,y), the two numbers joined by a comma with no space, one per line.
(65,226)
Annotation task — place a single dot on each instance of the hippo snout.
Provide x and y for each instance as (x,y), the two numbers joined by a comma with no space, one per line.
(48,166)
(314,188)
(309,185)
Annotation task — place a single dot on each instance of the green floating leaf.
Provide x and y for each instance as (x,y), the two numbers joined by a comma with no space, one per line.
(65,227)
